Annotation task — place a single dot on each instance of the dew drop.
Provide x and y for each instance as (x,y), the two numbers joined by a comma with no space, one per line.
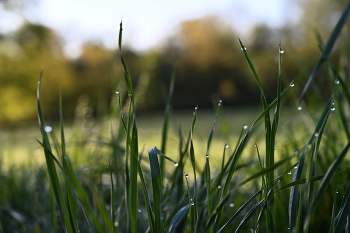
(299,108)
(296,152)
(192,203)
(291,84)
(207,156)
(245,126)
(332,107)
(316,134)
(186,175)
(308,146)
(117,92)
(226,146)
(116,224)
(176,164)
(232,205)
(129,94)
(48,129)
(243,48)
(139,210)
(196,108)
(336,191)
(337,81)
(296,166)
(219,187)
(290,172)
(281,51)
(255,145)
(220,102)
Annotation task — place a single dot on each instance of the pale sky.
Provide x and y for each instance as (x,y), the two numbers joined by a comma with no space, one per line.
(145,23)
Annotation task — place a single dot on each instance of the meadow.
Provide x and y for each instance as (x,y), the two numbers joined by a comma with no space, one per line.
(280,167)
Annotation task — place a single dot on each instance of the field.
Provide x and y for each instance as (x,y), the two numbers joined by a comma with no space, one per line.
(273,168)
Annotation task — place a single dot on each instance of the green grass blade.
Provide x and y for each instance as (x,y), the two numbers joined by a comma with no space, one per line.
(344,212)
(156,186)
(132,198)
(113,203)
(293,199)
(66,169)
(51,168)
(327,49)
(126,71)
(178,218)
(165,128)
(325,181)
(233,217)
(249,215)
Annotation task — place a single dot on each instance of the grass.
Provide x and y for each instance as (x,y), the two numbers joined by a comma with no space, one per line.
(280,173)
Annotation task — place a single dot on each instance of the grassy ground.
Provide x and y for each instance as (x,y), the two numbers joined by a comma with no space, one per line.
(284,170)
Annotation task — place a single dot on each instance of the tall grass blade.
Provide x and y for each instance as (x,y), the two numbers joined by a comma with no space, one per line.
(293,199)
(325,181)
(165,128)
(156,186)
(51,168)
(327,49)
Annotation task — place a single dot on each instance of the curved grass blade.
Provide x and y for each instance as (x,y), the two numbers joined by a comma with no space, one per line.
(325,181)
(178,217)
(327,49)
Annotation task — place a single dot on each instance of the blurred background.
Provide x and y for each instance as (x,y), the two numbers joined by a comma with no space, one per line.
(74,43)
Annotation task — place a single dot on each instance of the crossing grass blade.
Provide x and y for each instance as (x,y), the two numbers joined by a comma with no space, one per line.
(324,183)
(343,215)
(233,217)
(294,192)
(327,49)
(51,168)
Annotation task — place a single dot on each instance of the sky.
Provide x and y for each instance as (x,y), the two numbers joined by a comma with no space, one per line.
(146,23)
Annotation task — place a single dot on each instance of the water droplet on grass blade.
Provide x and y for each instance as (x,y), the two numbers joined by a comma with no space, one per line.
(243,48)
(226,146)
(336,81)
(220,102)
(308,146)
(192,203)
(332,107)
(291,84)
(116,224)
(117,92)
(232,205)
(207,156)
(299,108)
(296,166)
(219,187)
(316,134)
(186,175)
(245,126)
(296,152)
(176,164)
(48,129)
(281,51)
(289,172)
